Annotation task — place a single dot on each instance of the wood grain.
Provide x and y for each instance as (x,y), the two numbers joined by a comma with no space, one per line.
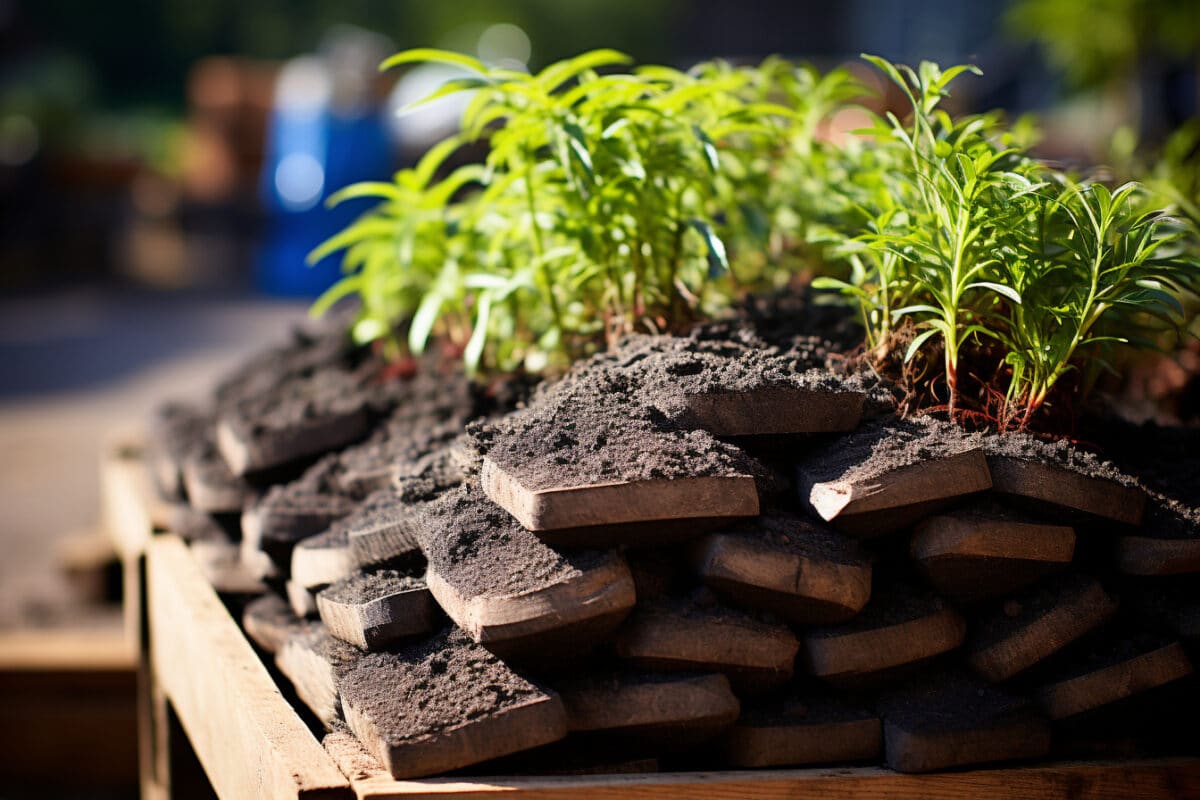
(775,410)
(1125,679)
(1160,779)
(1066,488)
(572,612)
(374,623)
(617,503)
(802,589)
(1145,555)
(249,740)
(896,498)
(858,656)
(971,556)
(1066,621)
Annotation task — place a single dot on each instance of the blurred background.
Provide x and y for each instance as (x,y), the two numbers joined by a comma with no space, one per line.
(163,166)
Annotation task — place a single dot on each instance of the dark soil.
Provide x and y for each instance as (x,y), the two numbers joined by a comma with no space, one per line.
(814,705)
(196,526)
(304,507)
(582,438)
(893,602)
(425,688)
(336,538)
(703,605)
(477,546)
(666,368)
(206,463)
(175,432)
(381,507)
(1061,453)
(1008,616)
(884,445)
(341,656)
(296,404)
(367,586)
(619,416)
(949,702)
(791,533)
(796,312)
(1169,606)
(368,467)
(1169,519)
(422,479)
(1097,652)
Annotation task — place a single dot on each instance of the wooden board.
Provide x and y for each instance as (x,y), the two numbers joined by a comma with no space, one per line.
(896,498)
(376,622)
(859,657)
(252,744)
(250,741)
(969,556)
(1160,779)
(619,503)
(754,656)
(1071,617)
(1065,488)
(70,724)
(562,617)
(130,505)
(1115,682)
(775,410)
(1145,555)
(801,589)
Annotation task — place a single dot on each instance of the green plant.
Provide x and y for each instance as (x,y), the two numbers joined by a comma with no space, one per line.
(999,256)
(600,210)
(1101,272)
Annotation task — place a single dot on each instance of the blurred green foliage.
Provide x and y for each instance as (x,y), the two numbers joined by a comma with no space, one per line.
(1097,42)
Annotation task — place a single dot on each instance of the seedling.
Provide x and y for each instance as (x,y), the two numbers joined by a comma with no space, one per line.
(614,200)
(987,249)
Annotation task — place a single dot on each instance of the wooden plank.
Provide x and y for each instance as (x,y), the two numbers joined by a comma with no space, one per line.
(898,497)
(774,410)
(1160,779)
(69,701)
(250,741)
(1065,488)
(131,508)
(618,503)
(66,650)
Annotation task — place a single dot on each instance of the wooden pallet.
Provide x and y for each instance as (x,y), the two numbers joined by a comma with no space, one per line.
(68,698)
(251,743)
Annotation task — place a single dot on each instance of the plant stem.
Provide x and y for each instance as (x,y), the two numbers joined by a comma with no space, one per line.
(539,251)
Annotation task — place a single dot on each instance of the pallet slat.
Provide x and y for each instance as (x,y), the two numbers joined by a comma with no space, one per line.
(250,741)
(1133,780)
(252,744)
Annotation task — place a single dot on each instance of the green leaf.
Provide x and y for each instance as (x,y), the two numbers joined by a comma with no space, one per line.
(368,329)
(718,260)
(916,343)
(577,143)
(710,150)
(343,288)
(437,56)
(386,191)
(998,288)
(451,86)
(560,72)
(914,309)
(479,332)
(424,320)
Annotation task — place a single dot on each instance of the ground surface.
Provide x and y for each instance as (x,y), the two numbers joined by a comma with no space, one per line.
(75,365)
